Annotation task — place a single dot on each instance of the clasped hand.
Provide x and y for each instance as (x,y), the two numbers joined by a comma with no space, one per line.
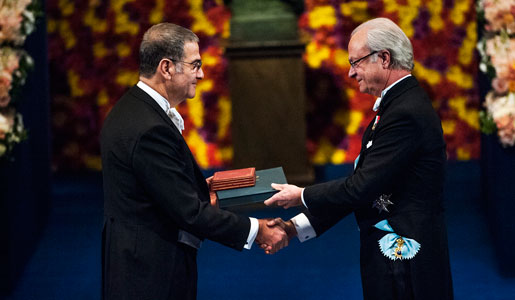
(275,234)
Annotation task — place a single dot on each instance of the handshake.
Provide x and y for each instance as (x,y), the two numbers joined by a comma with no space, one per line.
(273,234)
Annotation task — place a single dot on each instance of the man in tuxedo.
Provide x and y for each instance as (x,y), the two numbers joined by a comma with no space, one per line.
(396,189)
(156,201)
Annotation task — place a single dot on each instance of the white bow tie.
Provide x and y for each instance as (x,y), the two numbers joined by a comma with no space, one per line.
(176,118)
(377,103)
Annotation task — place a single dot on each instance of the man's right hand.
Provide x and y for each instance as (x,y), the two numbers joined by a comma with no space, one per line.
(271,239)
(288,226)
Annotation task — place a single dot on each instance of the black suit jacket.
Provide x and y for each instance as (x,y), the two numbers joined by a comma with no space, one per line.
(407,160)
(152,188)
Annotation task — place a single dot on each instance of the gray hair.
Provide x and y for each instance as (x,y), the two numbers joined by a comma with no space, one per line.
(164,40)
(383,34)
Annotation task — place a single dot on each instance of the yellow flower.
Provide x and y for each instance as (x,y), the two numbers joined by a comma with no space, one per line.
(322,16)
(448,127)
(66,7)
(99,50)
(355,121)
(226,29)
(338,157)
(224,116)
(315,54)
(123,24)
(195,105)
(198,147)
(102,98)
(349,119)
(350,93)
(93,162)
(463,154)
(461,7)
(127,77)
(67,34)
(431,76)
(156,15)
(324,151)
(357,10)
(51,25)
(209,60)
(200,21)
(123,50)
(469,115)
(435,9)
(390,6)
(406,13)
(466,51)
(226,153)
(463,80)
(74,84)
(96,24)
(341,58)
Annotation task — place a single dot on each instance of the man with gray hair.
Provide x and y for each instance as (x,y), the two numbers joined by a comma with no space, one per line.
(156,202)
(396,189)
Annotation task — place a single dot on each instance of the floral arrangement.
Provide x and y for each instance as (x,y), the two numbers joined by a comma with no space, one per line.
(94,60)
(17,21)
(497,48)
(443,34)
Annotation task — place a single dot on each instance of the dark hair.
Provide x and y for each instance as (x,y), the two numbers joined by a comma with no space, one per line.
(164,40)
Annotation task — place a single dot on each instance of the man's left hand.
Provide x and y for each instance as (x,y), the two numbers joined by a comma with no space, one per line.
(289,196)
(212,194)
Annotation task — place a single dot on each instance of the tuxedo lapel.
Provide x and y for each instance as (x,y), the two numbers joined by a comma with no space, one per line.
(139,94)
(388,99)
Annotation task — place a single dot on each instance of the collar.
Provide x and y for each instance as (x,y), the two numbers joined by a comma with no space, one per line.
(383,93)
(164,104)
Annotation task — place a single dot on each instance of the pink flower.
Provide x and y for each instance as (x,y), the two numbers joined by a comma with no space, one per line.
(499,15)
(506,129)
(500,85)
(6,122)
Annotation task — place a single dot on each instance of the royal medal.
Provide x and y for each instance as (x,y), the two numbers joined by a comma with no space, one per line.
(375,122)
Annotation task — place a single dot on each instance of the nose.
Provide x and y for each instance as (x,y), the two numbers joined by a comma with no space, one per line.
(200,73)
(352,72)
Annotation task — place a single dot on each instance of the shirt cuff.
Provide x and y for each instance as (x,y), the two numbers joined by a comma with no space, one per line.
(304,229)
(254,227)
(302,198)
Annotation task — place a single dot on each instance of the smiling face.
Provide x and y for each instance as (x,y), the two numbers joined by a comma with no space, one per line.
(183,84)
(368,72)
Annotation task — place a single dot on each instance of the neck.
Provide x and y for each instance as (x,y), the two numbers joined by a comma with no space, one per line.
(394,75)
(160,87)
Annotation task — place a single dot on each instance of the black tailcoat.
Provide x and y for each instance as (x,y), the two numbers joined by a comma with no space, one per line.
(152,188)
(407,160)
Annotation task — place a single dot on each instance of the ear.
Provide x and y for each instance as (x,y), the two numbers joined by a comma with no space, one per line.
(166,68)
(387,59)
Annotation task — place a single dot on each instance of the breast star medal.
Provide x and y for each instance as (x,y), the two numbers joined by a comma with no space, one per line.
(382,202)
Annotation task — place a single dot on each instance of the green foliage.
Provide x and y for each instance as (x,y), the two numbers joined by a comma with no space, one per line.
(487,123)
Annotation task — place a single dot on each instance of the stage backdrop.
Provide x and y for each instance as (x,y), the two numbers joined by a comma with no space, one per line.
(94,59)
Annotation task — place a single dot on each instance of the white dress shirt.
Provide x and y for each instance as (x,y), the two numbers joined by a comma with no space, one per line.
(304,229)
(179,123)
